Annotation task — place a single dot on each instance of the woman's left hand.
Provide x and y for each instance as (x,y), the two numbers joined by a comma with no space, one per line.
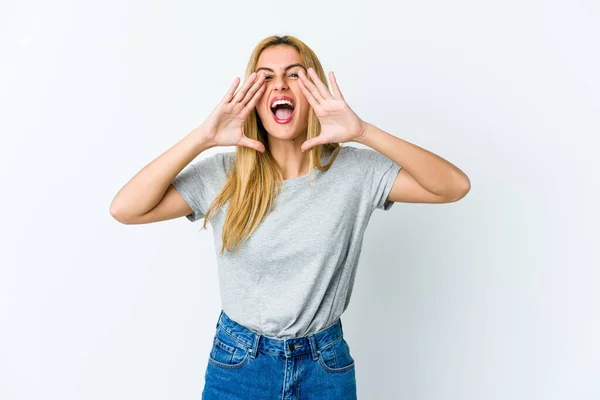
(339,124)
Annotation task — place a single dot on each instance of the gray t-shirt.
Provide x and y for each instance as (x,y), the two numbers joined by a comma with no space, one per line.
(295,273)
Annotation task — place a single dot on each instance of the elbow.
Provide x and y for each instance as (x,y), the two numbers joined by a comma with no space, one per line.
(462,189)
(117,212)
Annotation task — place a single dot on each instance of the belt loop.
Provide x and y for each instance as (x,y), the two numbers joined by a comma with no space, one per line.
(254,349)
(219,319)
(313,347)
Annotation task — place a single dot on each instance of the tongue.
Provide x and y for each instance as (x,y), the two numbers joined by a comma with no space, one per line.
(283,113)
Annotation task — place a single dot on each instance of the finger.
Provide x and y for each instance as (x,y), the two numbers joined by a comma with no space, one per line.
(336,89)
(323,90)
(309,96)
(231,91)
(242,92)
(253,144)
(310,86)
(252,103)
(257,85)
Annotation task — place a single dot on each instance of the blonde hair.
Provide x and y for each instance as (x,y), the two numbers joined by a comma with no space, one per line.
(256,177)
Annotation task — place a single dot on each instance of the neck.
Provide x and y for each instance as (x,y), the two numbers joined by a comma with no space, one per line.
(292,161)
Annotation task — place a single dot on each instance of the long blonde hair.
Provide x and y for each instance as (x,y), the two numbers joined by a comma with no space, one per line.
(256,177)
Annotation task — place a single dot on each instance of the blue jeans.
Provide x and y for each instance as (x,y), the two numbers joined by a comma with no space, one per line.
(245,365)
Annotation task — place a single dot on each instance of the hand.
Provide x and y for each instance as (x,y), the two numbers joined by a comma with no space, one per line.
(225,125)
(339,124)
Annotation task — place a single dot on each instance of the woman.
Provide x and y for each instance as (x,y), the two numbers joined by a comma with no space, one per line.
(295,205)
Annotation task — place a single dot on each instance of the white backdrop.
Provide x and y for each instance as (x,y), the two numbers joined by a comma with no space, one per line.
(493,297)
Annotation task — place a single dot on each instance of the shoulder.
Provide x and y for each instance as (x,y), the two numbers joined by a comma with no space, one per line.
(226,159)
(347,157)
(220,159)
(368,162)
(215,164)
(361,152)
(362,156)
(345,152)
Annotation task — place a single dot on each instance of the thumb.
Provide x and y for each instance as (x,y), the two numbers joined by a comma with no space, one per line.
(251,143)
(309,144)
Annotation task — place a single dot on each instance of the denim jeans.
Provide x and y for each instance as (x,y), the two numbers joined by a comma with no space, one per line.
(245,365)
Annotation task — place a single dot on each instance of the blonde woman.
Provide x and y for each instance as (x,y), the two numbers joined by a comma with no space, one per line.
(288,209)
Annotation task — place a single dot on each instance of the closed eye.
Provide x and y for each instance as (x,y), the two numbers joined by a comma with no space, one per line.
(270,76)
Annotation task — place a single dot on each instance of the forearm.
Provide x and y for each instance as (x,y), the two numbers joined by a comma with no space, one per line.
(431,171)
(145,190)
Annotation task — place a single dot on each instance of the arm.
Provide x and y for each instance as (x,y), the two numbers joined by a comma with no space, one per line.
(424,177)
(148,197)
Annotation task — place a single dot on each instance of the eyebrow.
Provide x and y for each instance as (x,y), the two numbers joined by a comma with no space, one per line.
(286,68)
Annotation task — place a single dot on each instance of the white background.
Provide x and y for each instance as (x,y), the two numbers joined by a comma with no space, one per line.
(493,297)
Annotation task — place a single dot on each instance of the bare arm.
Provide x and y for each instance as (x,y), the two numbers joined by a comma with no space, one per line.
(149,195)
(139,201)
(425,177)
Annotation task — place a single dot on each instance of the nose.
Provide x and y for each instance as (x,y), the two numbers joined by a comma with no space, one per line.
(280,84)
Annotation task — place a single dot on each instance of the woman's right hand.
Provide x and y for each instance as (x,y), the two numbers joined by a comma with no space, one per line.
(225,125)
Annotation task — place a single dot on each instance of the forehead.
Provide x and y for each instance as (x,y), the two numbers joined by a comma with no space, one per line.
(278,57)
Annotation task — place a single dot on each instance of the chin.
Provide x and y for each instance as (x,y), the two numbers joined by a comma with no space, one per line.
(287,133)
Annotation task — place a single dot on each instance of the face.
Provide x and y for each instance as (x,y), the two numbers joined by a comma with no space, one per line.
(282,82)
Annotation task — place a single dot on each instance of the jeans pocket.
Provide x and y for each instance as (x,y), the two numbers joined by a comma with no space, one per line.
(335,357)
(228,352)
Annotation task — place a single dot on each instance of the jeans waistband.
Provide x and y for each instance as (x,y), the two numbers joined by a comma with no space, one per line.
(257,342)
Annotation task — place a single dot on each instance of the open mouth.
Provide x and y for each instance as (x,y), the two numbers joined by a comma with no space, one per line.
(282,111)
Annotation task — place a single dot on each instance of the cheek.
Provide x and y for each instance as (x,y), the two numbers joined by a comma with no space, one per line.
(305,105)
(261,109)
(301,100)
(305,110)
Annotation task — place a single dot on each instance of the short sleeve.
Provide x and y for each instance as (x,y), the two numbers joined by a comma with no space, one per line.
(199,183)
(381,173)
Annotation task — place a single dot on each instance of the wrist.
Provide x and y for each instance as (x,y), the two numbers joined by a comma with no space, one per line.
(362,136)
(201,140)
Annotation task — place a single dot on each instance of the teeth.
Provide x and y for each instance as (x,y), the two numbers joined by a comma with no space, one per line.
(278,102)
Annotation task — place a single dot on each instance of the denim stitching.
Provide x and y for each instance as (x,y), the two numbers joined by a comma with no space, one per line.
(244,344)
(231,335)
